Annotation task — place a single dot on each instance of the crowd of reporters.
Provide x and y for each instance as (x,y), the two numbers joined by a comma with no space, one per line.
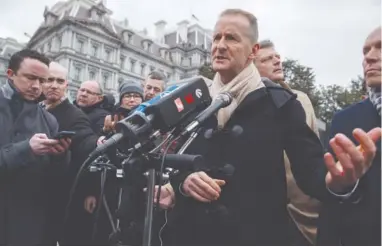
(283,189)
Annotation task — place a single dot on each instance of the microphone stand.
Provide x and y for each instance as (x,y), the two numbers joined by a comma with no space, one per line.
(192,137)
(147,231)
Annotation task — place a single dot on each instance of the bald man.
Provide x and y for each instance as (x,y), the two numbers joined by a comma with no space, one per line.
(358,221)
(69,118)
(91,101)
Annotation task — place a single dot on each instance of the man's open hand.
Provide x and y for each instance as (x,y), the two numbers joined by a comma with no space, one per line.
(353,162)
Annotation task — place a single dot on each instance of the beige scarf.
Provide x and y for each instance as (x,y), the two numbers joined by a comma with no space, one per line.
(244,83)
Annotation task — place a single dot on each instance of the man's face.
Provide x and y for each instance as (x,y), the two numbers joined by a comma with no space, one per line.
(54,89)
(268,63)
(372,59)
(29,78)
(152,88)
(88,94)
(131,100)
(232,48)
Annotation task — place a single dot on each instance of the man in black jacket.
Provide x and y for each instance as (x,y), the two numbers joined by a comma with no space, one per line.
(90,99)
(248,206)
(30,160)
(70,118)
(358,222)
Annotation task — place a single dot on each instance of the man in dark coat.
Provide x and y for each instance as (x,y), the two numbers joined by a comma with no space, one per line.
(358,222)
(30,160)
(90,100)
(247,205)
(70,118)
(303,210)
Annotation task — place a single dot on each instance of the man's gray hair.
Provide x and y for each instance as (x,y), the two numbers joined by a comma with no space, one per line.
(263,44)
(254,33)
(157,75)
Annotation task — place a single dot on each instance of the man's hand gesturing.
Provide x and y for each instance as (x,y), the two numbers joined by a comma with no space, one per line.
(202,187)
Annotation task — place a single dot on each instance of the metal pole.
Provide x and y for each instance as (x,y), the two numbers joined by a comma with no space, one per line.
(149,208)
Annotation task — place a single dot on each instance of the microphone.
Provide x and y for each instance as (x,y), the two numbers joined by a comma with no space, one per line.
(114,139)
(142,107)
(235,132)
(183,161)
(221,101)
(163,112)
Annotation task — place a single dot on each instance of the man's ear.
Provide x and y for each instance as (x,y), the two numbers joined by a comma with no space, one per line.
(10,73)
(254,50)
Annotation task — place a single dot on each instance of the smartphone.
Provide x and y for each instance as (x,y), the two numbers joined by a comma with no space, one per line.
(64,134)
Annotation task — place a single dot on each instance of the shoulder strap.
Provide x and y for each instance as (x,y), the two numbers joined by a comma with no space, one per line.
(279,95)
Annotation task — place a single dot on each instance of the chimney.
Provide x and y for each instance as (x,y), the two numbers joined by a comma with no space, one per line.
(182,31)
(160,28)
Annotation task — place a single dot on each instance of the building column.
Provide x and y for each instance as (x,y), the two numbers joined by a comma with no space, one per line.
(67,39)
(86,72)
(102,52)
(89,47)
(117,56)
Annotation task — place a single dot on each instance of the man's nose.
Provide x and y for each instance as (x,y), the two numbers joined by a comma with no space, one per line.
(54,85)
(36,84)
(373,55)
(221,45)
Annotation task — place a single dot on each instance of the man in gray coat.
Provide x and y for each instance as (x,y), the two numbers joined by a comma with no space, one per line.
(30,160)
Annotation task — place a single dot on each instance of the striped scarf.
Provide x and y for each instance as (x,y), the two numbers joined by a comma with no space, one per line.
(375,98)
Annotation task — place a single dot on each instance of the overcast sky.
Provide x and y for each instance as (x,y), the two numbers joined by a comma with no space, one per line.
(326,35)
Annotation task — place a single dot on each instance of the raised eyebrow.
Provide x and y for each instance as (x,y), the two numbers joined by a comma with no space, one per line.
(267,58)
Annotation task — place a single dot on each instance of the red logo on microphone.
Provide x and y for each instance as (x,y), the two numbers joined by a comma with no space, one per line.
(189,99)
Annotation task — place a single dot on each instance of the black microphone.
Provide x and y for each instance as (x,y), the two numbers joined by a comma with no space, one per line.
(221,101)
(235,132)
(162,113)
(183,161)
(114,139)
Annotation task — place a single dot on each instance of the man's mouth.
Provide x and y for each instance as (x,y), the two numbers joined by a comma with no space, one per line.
(220,57)
(372,71)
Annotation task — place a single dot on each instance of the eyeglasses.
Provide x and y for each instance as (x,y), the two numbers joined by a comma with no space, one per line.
(84,90)
(133,95)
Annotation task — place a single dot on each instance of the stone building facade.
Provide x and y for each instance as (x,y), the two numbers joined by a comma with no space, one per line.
(82,36)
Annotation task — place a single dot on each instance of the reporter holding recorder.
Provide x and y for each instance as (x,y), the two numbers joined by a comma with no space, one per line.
(30,160)
(254,198)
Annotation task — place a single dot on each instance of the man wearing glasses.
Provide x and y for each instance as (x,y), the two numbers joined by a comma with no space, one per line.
(69,118)
(31,159)
(91,101)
